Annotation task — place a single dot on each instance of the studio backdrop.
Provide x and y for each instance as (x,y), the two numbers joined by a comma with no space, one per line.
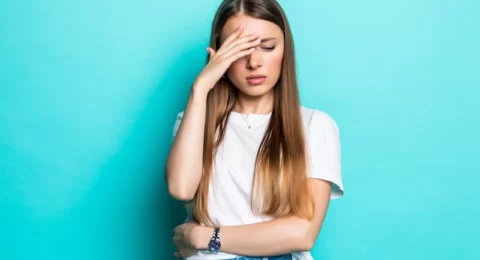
(89,91)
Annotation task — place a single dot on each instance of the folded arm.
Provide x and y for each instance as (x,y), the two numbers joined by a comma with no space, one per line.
(275,237)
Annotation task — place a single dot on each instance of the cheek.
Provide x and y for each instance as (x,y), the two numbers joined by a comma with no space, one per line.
(275,63)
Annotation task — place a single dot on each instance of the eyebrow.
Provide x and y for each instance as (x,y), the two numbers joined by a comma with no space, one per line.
(267,39)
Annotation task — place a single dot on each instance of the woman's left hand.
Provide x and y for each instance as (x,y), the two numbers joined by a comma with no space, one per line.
(184,240)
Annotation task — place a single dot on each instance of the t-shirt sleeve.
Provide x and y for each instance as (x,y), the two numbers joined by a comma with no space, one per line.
(325,152)
(176,126)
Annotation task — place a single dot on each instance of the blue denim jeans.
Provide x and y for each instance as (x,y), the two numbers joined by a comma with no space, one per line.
(280,257)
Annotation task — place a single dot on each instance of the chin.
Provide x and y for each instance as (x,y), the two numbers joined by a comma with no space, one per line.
(255,91)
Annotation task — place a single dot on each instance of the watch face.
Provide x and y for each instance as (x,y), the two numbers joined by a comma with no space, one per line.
(214,246)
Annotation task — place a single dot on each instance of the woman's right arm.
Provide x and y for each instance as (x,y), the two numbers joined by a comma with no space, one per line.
(185,160)
(184,165)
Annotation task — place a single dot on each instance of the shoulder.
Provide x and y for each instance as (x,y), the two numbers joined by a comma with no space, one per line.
(315,120)
(319,127)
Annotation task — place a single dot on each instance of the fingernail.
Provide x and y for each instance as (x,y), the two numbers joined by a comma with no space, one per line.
(241,26)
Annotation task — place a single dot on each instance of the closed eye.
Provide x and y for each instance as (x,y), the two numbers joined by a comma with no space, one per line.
(269,48)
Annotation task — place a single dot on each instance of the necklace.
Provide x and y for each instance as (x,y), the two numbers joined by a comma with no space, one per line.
(244,117)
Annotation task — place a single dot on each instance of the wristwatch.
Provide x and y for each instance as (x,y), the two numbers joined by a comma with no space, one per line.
(214,245)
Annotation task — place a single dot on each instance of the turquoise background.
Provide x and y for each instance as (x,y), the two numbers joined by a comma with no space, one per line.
(90,90)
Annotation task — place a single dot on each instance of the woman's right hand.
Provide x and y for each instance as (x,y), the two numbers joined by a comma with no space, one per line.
(233,48)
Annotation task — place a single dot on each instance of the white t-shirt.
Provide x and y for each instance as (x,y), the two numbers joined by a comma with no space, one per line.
(230,187)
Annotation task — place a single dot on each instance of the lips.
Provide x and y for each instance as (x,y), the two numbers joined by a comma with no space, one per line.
(255,79)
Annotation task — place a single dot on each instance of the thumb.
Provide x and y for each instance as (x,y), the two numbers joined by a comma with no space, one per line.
(211,52)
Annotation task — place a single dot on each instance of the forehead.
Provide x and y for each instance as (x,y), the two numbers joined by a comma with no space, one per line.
(251,25)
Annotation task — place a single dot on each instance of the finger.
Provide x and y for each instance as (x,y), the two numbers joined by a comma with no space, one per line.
(188,253)
(176,239)
(241,47)
(240,54)
(239,41)
(234,35)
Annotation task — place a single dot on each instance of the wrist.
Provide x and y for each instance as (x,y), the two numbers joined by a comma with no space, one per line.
(199,91)
(203,236)
(198,97)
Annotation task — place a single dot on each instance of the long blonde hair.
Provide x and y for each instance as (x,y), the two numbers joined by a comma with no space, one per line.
(280,179)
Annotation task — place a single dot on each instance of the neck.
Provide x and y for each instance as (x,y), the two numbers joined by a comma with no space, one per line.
(254,105)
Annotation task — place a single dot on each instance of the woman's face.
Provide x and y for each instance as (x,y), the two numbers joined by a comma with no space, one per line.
(266,59)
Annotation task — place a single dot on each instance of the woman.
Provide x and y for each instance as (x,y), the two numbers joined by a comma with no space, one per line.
(258,168)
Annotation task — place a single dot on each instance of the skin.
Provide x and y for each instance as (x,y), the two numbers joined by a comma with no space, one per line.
(278,236)
(183,169)
(266,60)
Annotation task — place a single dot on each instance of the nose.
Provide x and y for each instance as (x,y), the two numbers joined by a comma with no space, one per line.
(254,60)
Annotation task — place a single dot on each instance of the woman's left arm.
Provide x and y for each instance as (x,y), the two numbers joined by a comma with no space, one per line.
(275,237)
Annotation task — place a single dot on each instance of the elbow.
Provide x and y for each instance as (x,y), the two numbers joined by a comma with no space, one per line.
(306,238)
(308,244)
(180,193)
(305,243)
(177,188)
